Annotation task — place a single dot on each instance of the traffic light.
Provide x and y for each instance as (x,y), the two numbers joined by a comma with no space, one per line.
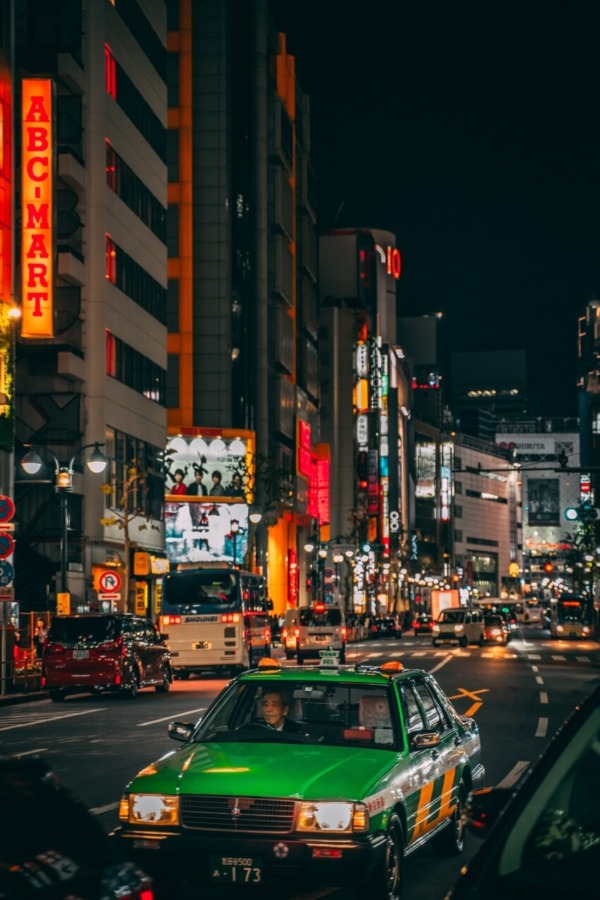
(571,513)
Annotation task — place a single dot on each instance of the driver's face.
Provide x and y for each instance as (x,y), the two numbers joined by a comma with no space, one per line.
(274,709)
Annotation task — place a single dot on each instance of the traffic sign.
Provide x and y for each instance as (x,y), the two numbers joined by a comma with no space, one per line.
(109,582)
(7,509)
(7,544)
(7,573)
(7,595)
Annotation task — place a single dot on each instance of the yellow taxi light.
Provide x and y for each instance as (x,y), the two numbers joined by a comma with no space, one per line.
(391,667)
(268,662)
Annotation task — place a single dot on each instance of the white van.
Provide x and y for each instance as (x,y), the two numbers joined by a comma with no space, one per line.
(460,625)
(320,627)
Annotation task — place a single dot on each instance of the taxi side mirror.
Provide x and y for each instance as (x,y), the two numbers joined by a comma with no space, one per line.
(180,731)
(425,739)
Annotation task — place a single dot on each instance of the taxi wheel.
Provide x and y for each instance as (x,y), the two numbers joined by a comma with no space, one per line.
(386,883)
(451,841)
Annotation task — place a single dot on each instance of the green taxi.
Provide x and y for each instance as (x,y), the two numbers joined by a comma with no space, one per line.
(324,775)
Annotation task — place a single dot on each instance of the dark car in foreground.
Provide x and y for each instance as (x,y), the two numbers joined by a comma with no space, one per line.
(52,848)
(371,764)
(542,840)
(97,652)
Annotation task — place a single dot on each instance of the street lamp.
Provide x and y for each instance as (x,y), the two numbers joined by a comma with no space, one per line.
(32,463)
(235,527)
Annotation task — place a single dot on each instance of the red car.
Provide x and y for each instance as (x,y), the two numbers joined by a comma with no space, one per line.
(97,652)
(423,624)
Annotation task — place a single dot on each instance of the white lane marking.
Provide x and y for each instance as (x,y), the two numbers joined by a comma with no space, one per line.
(441,663)
(543,697)
(542,728)
(539,679)
(38,721)
(98,810)
(535,669)
(583,659)
(514,774)
(31,752)
(559,658)
(189,712)
(533,656)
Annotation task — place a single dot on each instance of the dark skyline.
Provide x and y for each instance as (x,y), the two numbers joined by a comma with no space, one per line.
(472,133)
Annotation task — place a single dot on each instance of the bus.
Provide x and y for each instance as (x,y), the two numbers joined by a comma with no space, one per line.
(216,617)
(570,617)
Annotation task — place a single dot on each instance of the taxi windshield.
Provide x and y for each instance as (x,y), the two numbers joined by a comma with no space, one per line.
(337,714)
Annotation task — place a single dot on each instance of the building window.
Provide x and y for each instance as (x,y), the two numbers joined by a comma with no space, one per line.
(134,370)
(111,261)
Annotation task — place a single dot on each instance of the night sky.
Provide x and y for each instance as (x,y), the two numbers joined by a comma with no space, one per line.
(472,133)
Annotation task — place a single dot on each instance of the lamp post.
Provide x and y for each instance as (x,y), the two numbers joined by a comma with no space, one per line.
(235,527)
(32,463)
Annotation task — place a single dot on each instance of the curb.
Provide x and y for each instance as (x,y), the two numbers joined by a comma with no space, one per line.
(12,699)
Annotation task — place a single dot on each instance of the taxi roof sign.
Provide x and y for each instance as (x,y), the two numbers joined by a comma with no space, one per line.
(329,659)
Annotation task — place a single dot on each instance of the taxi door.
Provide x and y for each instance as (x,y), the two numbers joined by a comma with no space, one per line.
(436,770)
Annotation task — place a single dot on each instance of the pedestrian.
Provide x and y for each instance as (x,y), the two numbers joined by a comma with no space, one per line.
(40,634)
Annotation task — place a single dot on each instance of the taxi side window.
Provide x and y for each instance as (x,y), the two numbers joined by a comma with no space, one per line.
(434,713)
(412,713)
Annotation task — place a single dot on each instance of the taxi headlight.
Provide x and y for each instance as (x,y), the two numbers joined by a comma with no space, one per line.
(330,816)
(149,809)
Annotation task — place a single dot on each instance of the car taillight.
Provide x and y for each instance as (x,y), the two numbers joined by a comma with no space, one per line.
(170,620)
(284,633)
(229,618)
(344,631)
(54,648)
(296,632)
(268,635)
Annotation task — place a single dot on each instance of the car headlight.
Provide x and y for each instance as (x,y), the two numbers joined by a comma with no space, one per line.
(330,816)
(149,809)
(436,628)
(459,628)
(559,628)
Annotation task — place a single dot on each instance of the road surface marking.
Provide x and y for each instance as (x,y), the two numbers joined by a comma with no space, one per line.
(539,679)
(559,658)
(535,669)
(543,697)
(542,728)
(533,656)
(39,722)
(472,695)
(189,712)
(98,810)
(513,776)
(31,752)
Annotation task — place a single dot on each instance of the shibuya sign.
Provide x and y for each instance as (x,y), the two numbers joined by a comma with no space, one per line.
(37,237)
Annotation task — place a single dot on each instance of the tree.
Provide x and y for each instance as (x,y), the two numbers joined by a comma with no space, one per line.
(128,492)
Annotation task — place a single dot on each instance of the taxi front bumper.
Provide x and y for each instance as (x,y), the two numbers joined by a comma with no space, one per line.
(306,858)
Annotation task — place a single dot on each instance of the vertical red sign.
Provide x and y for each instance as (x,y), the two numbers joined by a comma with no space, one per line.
(37,237)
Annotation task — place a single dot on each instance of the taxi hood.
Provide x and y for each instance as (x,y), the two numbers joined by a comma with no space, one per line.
(302,772)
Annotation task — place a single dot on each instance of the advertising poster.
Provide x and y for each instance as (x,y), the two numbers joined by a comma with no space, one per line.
(543,506)
(206,532)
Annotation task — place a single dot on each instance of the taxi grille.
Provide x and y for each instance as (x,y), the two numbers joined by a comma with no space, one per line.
(258,814)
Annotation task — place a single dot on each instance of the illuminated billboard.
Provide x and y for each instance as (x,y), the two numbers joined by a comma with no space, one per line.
(37,232)
(197,531)
(210,463)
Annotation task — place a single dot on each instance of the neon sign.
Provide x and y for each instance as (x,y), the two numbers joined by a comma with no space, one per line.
(37,238)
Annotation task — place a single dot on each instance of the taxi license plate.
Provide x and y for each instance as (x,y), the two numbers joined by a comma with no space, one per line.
(81,654)
(236,869)
(201,645)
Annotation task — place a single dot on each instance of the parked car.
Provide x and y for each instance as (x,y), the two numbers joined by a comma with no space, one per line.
(423,624)
(52,848)
(369,764)
(495,630)
(385,627)
(95,652)
(462,625)
(542,839)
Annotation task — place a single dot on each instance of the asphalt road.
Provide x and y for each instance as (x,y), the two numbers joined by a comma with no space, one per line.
(519,694)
